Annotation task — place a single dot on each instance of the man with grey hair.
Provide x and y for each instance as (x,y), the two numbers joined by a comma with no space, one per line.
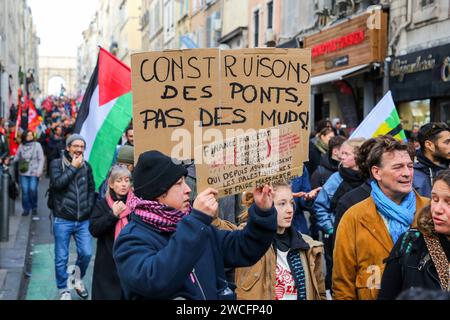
(72,185)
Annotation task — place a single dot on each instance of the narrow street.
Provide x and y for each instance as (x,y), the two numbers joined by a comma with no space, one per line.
(41,284)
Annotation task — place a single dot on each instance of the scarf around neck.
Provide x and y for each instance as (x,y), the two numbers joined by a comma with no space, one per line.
(353,177)
(321,146)
(399,217)
(156,214)
(111,197)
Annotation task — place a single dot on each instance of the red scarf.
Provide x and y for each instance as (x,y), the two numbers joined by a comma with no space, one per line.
(123,220)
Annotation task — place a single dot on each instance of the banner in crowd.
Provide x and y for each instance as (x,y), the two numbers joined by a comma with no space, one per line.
(382,120)
(188,101)
(105,112)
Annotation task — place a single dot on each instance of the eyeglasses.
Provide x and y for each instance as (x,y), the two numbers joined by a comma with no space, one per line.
(77,146)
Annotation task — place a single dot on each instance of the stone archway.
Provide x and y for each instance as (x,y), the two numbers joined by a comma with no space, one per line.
(55,85)
(55,68)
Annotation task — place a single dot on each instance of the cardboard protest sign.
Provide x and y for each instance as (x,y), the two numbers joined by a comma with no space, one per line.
(171,90)
(252,160)
(186,101)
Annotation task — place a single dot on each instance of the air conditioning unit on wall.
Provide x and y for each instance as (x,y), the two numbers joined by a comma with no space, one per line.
(270,36)
(217,24)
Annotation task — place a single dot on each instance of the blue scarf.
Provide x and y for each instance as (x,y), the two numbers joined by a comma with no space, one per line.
(399,217)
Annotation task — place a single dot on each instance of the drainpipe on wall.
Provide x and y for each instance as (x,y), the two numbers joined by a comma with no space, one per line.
(393,43)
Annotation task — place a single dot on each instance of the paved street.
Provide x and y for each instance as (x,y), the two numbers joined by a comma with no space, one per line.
(42,283)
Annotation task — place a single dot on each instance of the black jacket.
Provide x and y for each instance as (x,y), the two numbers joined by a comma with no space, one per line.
(327,167)
(314,157)
(425,172)
(350,199)
(410,266)
(105,280)
(73,189)
(54,147)
(4,150)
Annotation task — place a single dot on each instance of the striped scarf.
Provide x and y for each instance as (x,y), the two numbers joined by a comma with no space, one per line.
(157,215)
(298,272)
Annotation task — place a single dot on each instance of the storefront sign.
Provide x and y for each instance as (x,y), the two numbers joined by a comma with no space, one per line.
(337,44)
(421,75)
(336,63)
(401,67)
(352,39)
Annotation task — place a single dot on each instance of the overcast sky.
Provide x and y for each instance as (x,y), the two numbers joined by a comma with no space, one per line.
(59,24)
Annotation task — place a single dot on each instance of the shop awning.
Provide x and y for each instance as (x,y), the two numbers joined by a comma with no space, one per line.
(338,75)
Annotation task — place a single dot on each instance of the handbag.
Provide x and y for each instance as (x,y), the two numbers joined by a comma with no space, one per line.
(24,165)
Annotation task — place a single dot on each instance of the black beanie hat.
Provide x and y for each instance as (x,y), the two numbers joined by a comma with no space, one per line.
(154,174)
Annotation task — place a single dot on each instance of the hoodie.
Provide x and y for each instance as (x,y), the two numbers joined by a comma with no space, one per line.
(425,172)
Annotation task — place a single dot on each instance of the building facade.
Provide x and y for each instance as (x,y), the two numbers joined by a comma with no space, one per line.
(264,22)
(116,26)
(235,24)
(18,53)
(348,40)
(419,54)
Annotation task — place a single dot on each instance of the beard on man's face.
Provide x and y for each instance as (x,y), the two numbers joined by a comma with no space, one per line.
(440,156)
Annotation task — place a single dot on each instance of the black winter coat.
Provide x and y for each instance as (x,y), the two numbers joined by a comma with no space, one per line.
(105,280)
(314,157)
(73,189)
(350,199)
(54,148)
(406,269)
(327,167)
(4,150)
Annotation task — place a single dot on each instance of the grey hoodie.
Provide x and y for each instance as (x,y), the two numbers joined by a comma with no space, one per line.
(36,166)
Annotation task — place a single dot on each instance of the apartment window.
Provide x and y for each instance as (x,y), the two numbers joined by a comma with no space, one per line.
(425,3)
(270,15)
(184,8)
(425,11)
(256,28)
(197,5)
(169,27)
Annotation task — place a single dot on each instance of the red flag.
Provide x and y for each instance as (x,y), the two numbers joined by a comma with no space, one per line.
(73,109)
(47,104)
(33,117)
(19,118)
(13,145)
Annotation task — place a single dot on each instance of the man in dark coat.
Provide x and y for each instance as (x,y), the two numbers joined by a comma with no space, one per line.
(433,157)
(329,163)
(73,189)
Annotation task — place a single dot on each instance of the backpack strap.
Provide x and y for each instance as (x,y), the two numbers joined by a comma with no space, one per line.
(405,247)
(439,259)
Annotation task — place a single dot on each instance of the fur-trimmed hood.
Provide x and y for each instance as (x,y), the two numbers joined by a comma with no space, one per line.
(425,221)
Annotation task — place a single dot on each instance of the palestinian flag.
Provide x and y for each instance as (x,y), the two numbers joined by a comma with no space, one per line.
(105,112)
(382,120)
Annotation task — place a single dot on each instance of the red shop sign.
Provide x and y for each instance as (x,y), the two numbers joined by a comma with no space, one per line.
(340,43)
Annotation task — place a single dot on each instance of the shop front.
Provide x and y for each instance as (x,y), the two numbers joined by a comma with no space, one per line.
(420,85)
(347,63)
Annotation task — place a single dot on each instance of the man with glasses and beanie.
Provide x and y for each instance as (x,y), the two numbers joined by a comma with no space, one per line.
(433,156)
(72,184)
